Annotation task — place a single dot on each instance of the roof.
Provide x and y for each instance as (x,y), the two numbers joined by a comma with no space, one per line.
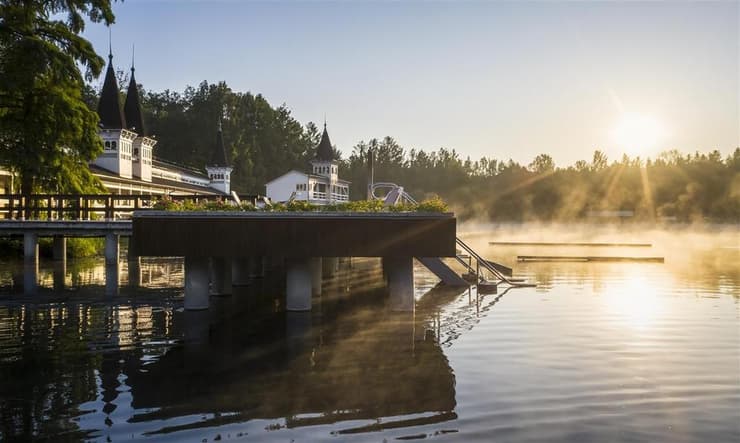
(156,181)
(163,164)
(324,151)
(109,106)
(219,153)
(132,108)
(323,177)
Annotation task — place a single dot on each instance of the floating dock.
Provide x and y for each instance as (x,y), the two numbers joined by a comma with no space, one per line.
(586,244)
(587,258)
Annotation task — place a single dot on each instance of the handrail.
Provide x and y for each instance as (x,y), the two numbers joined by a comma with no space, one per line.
(483,262)
(479,260)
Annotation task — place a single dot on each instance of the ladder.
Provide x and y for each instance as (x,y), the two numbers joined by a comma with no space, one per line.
(500,273)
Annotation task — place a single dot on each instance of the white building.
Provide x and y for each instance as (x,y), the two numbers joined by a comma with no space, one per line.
(127,165)
(321,186)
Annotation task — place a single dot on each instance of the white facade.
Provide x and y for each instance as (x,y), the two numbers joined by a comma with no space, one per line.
(220,177)
(142,158)
(313,188)
(118,148)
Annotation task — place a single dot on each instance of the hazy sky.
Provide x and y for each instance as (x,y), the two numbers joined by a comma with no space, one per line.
(500,79)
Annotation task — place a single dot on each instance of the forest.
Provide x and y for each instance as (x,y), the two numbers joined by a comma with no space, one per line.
(264,142)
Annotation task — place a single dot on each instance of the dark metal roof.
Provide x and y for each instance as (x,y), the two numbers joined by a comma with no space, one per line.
(219,153)
(109,106)
(324,151)
(132,108)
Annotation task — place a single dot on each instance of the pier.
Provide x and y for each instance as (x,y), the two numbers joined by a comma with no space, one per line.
(226,249)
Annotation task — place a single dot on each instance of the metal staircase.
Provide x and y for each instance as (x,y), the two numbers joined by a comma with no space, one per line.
(483,271)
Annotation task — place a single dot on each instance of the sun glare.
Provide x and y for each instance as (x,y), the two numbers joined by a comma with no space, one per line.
(638,134)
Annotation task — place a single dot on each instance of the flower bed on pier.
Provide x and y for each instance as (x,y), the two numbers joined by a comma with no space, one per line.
(432,205)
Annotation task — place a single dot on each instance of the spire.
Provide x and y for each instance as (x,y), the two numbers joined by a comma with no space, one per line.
(109,106)
(132,106)
(324,151)
(219,153)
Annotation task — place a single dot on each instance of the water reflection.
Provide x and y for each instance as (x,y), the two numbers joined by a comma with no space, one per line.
(89,369)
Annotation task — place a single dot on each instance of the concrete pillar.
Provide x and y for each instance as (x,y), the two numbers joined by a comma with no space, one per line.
(196,283)
(59,252)
(316,269)
(134,271)
(221,276)
(111,249)
(240,272)
(330,266)
(59,274)
(112,278)
(298,284)
(400,271)
(30,248)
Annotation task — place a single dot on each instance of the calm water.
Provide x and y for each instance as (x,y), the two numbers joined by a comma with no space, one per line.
(597,352)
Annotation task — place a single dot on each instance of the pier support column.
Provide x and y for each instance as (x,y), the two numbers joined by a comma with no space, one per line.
(134,271)
(316,269)
(59,252)
(30,248)
(329,266)
(298,284)
(400,271)
(221,272)
(30,263)
(111,249)
(196,283)
(240,272)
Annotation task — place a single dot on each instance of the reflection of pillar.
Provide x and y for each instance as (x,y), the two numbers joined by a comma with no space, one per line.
(221,281)
(316,275)
(297,332)
(240,271)
(330,266)
(298,284)
(111,248)
(400,282)
(112,279)
(134,271)
(195,337)
(196,283)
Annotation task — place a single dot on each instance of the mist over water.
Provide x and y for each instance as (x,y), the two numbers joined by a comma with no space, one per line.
(596,352)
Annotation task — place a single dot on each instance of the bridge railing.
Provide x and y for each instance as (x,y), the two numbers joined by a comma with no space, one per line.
(84,206)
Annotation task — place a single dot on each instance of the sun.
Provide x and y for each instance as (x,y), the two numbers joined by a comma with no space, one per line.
(638,134)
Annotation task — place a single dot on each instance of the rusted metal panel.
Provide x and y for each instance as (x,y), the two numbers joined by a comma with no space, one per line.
(244,234)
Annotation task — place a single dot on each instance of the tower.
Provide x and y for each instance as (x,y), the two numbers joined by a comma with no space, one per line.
(143,145)
(219,171)
(324,164)
(117,139)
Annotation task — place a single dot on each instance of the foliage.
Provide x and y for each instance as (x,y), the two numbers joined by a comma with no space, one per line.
(47,132)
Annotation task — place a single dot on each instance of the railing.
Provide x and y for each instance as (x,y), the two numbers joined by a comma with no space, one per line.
(83,206)
(480,262)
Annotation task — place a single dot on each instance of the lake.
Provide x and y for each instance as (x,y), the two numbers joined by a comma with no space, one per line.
(637,352)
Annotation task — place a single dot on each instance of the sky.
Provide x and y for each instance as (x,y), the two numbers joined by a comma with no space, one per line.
(495,79)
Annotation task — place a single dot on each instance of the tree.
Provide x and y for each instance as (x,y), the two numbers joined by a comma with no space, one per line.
(48,133)
(542,164)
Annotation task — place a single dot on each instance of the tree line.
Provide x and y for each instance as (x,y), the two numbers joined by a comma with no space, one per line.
(264,142)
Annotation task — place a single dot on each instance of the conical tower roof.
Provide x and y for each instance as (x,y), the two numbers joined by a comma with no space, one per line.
(324,151)
(132,108)
(218,158)
(109,106)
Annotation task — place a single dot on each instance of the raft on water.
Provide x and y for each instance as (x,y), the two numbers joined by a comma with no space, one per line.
(587,258)
(526,243)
